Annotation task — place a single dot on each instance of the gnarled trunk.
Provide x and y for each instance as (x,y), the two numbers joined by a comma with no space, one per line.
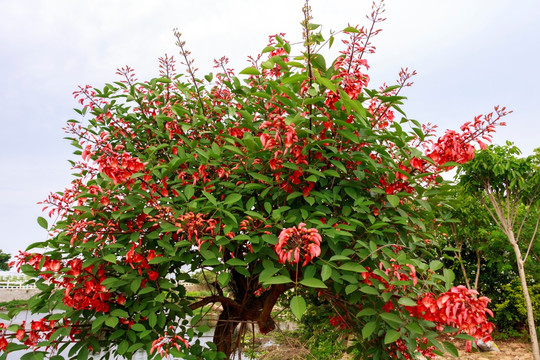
(256,310)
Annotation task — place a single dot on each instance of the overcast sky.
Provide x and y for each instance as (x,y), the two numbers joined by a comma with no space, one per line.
(469,55)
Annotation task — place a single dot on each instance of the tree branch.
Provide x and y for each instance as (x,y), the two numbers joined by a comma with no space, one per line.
(214,299)
(532,239)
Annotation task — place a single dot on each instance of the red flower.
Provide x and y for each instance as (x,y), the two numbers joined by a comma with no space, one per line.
(294,243)
(121,300)
(153,275)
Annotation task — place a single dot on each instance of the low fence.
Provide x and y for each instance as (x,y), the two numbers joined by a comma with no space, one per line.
(16,285)
(16,290)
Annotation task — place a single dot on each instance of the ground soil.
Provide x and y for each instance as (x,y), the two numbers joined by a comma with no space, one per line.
(509,350)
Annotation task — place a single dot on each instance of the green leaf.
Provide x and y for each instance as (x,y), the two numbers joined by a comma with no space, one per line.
(392,318)
(135,347)
(236,262)
(391,336)
(167,227)
(122,348)
(250,71)
(280,279)
(119,313)
(325,82)
(465,337)
(96,324)
(367,312)
(326,272)
(270,238)
(354,267)
(449,277)
(318,61)
(435,265)
(138,327)
(135,284)
(33,356)
(298,306)
(261,177)
(42,222)
(223,279)
(189,191)
(210,198)
(414,327)
(368,329)
(112,321)
(451,348)
(267,65)
(339,258)
(369,290)
(393,200)
(406,301)
(110,258)
(83,353)
(232,198)
(350,29)
(313,282)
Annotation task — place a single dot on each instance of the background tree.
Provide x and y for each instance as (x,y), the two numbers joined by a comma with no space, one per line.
(484,260)
(295,176)
(4,259)
(470,232)
(507,186)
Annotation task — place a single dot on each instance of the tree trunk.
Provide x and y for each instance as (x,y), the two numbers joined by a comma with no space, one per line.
(526,296)
(223,335)
(478,267)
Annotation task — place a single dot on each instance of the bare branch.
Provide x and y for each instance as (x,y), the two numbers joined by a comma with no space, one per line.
(532,239)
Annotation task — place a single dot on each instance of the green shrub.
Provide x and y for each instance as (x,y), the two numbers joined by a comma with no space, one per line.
(511,315)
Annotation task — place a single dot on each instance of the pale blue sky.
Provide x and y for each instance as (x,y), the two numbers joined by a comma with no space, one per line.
(470,56)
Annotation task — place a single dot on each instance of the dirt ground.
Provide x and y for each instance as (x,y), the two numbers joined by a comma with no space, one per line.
(510,350)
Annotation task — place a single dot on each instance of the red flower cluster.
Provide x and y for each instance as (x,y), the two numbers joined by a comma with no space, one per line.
(83,289)
(40,330)
(338,321)
(296,243)
(457,147)
(249,224)
(119,167)
(459,307)
(195,225)
(284,135)
(395,272)
(137,260)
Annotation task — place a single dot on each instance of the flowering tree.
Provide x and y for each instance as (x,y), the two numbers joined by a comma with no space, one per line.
(296,175)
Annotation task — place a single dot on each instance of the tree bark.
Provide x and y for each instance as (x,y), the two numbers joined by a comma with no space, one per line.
(526,296)
(223,335)
(478,267)
(257,310)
